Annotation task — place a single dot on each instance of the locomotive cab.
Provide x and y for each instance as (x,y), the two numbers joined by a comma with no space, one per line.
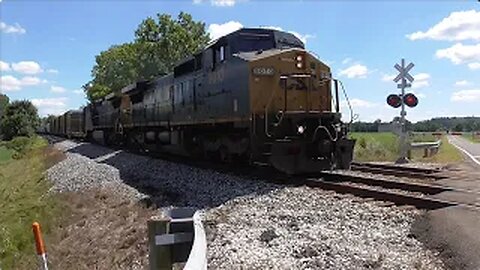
(294,127)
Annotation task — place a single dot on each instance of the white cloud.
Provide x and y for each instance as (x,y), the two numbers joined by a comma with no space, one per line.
(474,66)
(358,103)
(355,71)
(460,53)
(460,25)
(219,30)
(419,95)
(302,37)
(217,3)
(27,67)
(472,95)
(51,70)
(78,91)
(57,89)
(11,83)
(421,80)
(12,29)
(223,3)
(346,60)
(30,80)
(4,66)
(388,77)
(48,106)
(462,83)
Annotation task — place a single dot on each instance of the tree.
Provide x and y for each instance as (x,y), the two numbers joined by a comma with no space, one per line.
(20,119)
(3,103)
(458,127)
(158,45)
(171,40)
(114,69)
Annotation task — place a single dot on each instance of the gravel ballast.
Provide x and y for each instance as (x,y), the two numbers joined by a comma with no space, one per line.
(252,224)
(304,228)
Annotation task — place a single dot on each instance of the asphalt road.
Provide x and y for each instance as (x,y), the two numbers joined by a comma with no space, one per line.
(470,149)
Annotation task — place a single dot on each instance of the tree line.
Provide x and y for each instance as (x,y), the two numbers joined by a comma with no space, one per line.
(17,118)
(159,43)
(460,124)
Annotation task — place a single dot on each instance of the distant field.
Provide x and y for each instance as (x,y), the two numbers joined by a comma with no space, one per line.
(471,137)
(383,146)
(375,146)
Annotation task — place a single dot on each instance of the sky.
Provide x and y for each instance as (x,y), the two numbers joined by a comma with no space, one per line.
(48,48)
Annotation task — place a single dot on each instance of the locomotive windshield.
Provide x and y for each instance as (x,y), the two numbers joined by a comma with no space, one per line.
(255,40)
(249,42)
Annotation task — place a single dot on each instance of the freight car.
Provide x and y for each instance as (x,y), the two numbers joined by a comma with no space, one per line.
(255,94)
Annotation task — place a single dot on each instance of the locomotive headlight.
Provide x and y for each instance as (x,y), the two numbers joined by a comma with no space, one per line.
(299,58)
(263,71)
(300,129)
(299,65)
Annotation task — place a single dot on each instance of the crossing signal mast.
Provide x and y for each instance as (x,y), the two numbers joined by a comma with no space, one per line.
(400,100)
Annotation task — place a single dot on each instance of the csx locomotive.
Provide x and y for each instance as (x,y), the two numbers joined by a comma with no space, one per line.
(254,94)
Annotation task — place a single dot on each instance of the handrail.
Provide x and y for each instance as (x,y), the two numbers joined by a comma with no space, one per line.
(426,144)
(197,260)
(177,236)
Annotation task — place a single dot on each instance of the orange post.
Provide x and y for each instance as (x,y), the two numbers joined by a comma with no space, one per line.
(39,244)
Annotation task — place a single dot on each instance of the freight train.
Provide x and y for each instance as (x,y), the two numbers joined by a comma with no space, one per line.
(253,95)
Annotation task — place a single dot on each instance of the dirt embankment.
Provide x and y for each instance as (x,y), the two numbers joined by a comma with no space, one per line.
(100,231)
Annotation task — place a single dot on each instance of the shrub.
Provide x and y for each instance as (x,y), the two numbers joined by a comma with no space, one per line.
(20,118)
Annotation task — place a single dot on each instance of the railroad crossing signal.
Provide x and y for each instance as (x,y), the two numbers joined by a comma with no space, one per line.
(403,99)
(403,75)
(410,100)
(394,100)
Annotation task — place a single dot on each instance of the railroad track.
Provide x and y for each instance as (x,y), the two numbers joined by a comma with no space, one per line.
(420,173)
(399,191)
(395,191)
(373,185)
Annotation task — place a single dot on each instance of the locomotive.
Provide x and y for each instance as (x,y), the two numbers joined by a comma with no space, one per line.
(253,95)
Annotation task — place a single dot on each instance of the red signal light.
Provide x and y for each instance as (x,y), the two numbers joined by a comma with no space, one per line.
(410,100)
(394,100)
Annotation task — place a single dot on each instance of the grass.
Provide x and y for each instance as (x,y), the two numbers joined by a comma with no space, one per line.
(471,137)
(5,154)
(23,200)
(446,154)
(375,146)
(423,137)
(383,146)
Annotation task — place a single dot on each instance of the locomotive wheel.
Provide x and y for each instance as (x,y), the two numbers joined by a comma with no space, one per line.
(224,155)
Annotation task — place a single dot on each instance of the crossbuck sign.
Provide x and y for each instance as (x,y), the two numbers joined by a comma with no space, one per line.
(409,99)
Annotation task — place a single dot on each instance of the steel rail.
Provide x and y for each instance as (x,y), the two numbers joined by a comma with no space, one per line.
(385,183)
(397,172)
(396,167)
(394,197)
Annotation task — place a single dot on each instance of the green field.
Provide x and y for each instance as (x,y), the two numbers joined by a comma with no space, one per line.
(383,146)
(375,146)
(5,154)
(23,200)
(471,137)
